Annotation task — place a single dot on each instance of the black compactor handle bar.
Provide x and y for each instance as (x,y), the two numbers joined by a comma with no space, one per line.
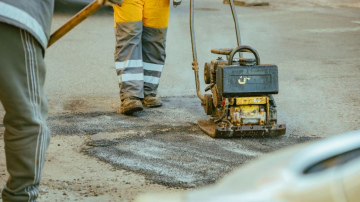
(244,49)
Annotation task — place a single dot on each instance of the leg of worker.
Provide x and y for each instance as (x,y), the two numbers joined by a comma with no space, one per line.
(21,93)
(128,56)
(156,18)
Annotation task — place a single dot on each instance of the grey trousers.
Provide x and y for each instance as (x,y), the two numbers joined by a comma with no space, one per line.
(22,76)
(139,58)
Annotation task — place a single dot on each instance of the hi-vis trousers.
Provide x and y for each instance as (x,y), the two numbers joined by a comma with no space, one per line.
(140,30)
(22,76)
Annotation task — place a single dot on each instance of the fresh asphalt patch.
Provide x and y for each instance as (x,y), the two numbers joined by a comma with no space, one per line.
(182,156)
(165,144)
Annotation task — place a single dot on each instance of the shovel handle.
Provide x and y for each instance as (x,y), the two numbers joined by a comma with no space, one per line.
(74,21)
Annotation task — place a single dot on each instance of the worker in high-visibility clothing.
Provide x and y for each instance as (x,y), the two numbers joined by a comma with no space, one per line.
(140,31)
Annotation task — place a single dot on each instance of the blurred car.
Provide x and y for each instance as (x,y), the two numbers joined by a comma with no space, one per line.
(326,170)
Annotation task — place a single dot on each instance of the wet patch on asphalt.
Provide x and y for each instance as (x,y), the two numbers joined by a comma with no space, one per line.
(165,144)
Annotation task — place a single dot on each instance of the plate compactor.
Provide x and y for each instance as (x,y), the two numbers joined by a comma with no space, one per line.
(241,102)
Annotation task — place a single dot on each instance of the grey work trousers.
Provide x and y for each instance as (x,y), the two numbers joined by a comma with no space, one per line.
(22,76)
(139,58)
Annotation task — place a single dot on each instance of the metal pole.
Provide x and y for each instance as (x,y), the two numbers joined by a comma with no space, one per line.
(193,45)
(195,65)
(237,27)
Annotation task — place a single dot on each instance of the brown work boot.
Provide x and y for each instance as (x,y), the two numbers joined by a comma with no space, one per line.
(130,105)
(151,101)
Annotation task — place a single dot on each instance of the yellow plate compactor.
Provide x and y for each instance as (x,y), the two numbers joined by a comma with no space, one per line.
(241,102)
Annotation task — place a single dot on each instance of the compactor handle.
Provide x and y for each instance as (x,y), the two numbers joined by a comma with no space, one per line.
(244,49)
(224,51)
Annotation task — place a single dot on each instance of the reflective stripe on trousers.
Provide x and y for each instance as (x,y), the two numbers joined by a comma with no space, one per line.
(26,135)
(140,30)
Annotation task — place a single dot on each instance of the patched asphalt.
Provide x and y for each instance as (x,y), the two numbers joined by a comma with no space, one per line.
(165,144)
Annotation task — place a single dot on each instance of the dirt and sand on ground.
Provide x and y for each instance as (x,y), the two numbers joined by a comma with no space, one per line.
(96,154)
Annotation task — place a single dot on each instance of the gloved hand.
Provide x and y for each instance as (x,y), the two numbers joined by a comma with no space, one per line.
(176,2)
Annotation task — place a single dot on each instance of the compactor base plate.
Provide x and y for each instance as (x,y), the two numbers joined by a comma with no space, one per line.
(214,130)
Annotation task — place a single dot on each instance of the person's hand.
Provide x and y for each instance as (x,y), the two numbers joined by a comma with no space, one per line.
(176,2)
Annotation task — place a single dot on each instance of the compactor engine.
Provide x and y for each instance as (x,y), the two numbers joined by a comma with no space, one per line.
(241,101)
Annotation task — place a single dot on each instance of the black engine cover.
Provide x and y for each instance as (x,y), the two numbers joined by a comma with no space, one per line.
(233,81)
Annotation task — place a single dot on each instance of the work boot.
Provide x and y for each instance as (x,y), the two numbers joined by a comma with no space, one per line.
(151,101)
(130,105)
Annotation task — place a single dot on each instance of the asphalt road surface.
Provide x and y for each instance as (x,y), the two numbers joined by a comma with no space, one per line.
(165,144)
(316,45)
